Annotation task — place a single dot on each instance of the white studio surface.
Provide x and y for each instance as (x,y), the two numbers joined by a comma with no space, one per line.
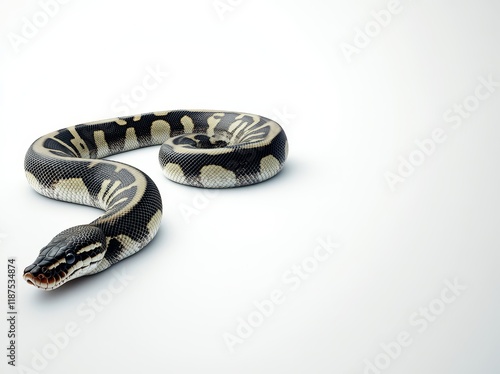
(374,251)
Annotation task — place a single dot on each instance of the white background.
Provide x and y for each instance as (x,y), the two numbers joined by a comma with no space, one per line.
(351,118)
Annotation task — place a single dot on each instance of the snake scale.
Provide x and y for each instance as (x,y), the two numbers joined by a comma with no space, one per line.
(208,149)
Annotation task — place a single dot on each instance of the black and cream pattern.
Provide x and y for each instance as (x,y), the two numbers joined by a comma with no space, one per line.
(209,149)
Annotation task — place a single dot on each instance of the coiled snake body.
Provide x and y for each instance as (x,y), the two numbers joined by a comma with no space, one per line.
(207,149)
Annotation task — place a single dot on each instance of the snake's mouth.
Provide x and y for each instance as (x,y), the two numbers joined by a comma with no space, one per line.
(47,279)
(45,283)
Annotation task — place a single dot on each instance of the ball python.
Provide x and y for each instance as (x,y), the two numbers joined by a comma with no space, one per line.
(208,149)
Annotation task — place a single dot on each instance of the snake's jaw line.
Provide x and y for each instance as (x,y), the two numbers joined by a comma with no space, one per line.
(39,281)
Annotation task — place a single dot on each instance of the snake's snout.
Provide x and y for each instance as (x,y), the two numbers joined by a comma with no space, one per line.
(34,277)
(40,277)
(28,277)
(40,281)
(29,281)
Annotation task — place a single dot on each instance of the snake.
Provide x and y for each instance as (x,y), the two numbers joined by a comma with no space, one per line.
(200,148)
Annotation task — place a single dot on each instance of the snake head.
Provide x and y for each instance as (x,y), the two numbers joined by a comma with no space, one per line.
(73,253)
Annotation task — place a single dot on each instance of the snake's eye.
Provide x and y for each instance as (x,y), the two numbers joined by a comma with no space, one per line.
(70,258)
